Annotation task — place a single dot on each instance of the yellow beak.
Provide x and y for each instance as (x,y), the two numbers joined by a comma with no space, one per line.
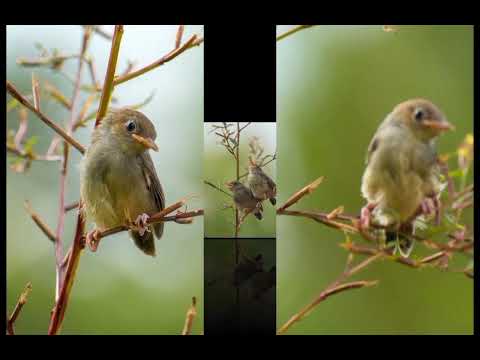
(147,142)
(438,125)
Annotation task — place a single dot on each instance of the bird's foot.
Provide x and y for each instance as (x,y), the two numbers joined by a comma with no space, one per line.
(141,224)
(92,240)
(366,216)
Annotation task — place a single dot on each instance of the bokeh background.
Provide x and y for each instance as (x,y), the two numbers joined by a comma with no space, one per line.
(334,86)
(219,167)
(118,289)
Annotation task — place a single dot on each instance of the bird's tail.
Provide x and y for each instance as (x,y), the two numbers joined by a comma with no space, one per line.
(146,242)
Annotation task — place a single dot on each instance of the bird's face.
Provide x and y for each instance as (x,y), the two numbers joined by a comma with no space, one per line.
(133,131)
(422,117)
(233,185)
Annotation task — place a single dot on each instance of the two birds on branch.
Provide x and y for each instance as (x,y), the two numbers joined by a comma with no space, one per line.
(259,187)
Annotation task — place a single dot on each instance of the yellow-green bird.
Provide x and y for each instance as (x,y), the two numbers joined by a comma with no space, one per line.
(401,166)
(119,184)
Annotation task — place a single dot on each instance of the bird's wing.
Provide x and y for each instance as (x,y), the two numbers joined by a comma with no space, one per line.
(270,182)
(151,180)
(371,149)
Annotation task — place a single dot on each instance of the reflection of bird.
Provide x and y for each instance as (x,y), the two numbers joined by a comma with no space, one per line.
(263,281)
(401,167)
(261,185)
(246,268)
(244,199)
(118,181)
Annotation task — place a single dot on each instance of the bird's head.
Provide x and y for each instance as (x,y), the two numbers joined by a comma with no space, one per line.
(422,117)
(132,131)
(232,185)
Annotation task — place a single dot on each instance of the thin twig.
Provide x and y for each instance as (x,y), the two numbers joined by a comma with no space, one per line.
(40,223)
(108,84)
(170,56)
(191,313)
(300,194)
(292,31)
(24,101)
(22,300)
(217,188)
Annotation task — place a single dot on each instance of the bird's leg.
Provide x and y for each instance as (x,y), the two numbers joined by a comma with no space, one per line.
(92,239)
(366,214)
(141,223)
(436,207)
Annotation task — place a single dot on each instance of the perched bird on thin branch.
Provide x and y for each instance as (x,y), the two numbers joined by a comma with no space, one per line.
(261,185)
(401,168)
(244,199)
(119,184)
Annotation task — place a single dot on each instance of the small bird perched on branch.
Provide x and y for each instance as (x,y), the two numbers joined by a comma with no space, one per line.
(119,184)
(402,171)
(244,199)
(261,185)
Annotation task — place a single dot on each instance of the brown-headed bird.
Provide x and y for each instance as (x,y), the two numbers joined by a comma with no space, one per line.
(244,199)
(119,184)
(261,185)
(401,167)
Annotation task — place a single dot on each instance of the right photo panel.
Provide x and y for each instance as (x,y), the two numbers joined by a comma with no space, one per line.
(374,166)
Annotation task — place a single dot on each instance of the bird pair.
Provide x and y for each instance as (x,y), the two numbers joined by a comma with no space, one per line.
(259,187)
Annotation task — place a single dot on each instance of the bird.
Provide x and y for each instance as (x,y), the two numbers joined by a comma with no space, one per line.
(244,199)
(261,185)
(118,181)
(401,167)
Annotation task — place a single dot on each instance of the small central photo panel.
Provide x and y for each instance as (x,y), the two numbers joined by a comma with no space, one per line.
(239,189)
(239,179)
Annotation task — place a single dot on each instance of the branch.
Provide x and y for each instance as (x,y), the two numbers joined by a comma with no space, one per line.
(24,101)
(22,300)
(300,194)
(292,31)
(108,84)
(40,223)
(156,218)
(191,313)
(323,296)
(60,307)
(194,40)
(217,188)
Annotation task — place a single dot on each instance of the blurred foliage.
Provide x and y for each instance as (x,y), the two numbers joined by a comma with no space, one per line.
(334,86)
(220,167)
(118,289)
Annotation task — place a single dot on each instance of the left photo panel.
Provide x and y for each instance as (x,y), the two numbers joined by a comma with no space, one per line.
(104,179)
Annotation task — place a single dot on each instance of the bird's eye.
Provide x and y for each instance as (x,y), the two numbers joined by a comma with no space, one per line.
(419,114)
(131,126)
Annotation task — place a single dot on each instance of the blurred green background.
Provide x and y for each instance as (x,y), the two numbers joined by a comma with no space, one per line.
(334,86)
(118,289)
(219,167)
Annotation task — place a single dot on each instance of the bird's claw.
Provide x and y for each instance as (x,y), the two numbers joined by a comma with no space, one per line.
(92,240)
(365,216)
(141,223)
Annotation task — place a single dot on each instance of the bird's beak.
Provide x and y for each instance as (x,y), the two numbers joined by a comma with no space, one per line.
(438,125)
(147,142)
(229,184)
